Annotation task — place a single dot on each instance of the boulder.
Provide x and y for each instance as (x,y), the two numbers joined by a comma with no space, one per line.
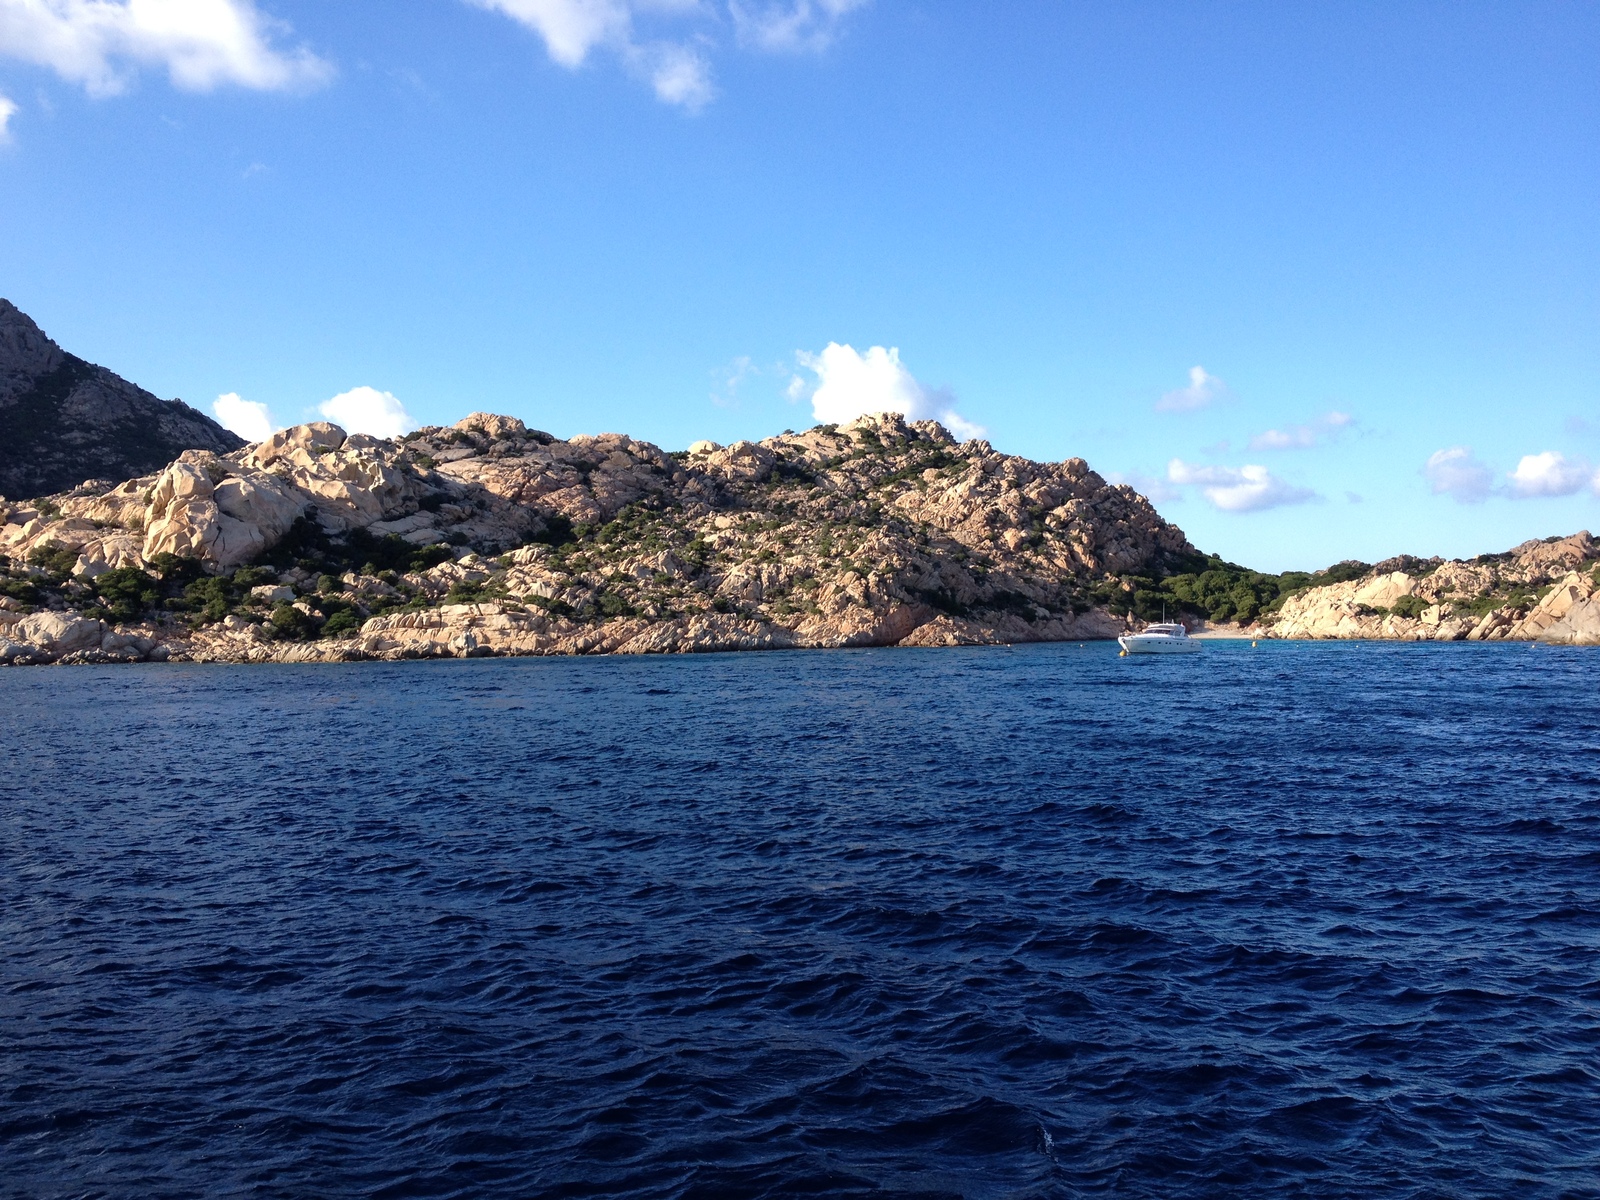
(52,635)
(220,513)
(1383,591)
(1578,626)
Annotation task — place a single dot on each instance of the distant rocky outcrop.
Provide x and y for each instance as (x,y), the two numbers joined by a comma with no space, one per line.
(488,537)
(64,420)
(1539,591)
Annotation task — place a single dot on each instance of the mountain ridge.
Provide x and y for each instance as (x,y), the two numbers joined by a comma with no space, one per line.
(64,420)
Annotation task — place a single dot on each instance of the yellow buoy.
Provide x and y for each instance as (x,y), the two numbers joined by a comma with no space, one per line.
(1122,654)
(1252,643)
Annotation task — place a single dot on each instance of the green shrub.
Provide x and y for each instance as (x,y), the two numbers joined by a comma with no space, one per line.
(24,591)
(249,577)
(210,598)
(346,621)
(291,623)
(1409,606)
(613,605)
(1343,572)
(175,571)
(54,560)
(126,593)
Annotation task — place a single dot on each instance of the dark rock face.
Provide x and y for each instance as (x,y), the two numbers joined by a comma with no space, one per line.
(63,420)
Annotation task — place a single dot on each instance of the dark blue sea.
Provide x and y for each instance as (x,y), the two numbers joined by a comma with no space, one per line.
(1304,920)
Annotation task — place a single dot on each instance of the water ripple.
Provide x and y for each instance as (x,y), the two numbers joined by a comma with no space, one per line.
(1303,920)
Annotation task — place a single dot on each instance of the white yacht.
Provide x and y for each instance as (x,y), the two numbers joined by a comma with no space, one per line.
(1161,638)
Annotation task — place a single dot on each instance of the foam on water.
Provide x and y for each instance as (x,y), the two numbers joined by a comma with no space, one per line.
(1304,920)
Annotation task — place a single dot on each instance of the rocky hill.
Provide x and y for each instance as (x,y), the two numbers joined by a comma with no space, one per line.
(1540,591)
(64,421)
(487,537)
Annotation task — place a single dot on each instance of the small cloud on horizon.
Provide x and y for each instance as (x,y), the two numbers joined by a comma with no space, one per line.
(1250,488)
(850,384)
(367,410)
(1202,390)
(250,419)
(1318,432)
(1456,473)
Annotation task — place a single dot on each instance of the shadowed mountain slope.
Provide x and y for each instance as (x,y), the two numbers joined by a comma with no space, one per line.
(64,420)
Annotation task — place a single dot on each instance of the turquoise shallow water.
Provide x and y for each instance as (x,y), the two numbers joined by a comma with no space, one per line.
(1315,920)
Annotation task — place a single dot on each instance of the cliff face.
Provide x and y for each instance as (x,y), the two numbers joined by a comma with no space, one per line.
(488,537)
(63,420)
(1540,591)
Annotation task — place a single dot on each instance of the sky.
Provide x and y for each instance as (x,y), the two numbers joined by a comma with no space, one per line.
(1322,280)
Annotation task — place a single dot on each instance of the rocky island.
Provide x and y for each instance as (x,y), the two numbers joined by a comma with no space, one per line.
(487,537)
(490,538)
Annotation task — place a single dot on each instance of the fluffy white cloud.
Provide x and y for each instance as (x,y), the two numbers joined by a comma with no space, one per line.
(248,418)
(1301,437)
(1249,488)
(367,410)
(1455,472)
(800,26)
(1549,474)
(850,383)
(8,109)
(202,44)
(1202,390)
(676,62)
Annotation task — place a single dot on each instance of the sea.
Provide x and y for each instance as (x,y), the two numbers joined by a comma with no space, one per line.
(1287,920)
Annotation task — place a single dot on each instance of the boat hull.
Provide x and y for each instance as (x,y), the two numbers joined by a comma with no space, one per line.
(1141,644)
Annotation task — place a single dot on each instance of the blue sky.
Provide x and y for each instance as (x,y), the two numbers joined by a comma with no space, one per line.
(1323,280)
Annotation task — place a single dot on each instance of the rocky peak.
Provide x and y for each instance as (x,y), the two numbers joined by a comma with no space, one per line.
(25,352)
(64,420)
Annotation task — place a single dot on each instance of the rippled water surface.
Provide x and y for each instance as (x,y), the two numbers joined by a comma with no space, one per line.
(1303,920)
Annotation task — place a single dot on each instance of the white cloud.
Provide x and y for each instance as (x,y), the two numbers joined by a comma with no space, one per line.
(1301,437)
(8,109)
(248,418)
(679,74)
(850,383)
(1202,390)
(1548,474)
(1249,488)
(202,44)
(1455,472)
(797,27)
(367,410)
(676,63)
(570,29)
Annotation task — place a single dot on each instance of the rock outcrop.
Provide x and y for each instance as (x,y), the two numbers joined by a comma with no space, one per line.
(63,420)
(490,538)
(1540,591)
